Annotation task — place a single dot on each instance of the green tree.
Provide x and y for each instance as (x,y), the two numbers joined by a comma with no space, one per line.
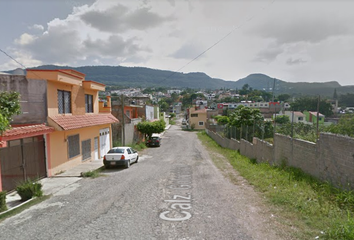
(310,104)
(148,128)
(283,97)
(345,126)
(246,117)
(282,119)
(163,105)
(222,120)
(9,106)
(346,100)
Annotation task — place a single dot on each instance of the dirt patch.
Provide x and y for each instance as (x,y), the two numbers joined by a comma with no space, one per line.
(261,220)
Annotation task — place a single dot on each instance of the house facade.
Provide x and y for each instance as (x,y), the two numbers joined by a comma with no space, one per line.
(197,118)
(81,133)
(62,125)
(311,117)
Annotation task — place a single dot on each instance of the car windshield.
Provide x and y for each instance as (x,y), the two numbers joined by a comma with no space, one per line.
(116,150)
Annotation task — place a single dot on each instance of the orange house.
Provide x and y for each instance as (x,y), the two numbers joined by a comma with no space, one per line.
(82,124)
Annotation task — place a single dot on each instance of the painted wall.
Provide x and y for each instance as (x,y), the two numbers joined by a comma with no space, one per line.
(58,158)
(202,117)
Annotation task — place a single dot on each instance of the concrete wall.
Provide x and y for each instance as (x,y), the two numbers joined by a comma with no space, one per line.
(330,159)
(33,98)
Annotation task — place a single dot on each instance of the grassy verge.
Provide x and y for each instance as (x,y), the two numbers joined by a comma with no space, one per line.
(23,207)
(316,209)
(93,174)
(138,147)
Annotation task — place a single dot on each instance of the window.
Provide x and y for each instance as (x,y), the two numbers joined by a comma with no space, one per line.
(301,118)
(201,123)
(86,149)
(89,103)
(73,145)
(64,101)
(194,115)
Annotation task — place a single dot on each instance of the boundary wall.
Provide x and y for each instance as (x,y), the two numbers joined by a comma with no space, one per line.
(330,159)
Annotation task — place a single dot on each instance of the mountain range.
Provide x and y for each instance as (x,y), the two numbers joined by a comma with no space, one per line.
(147,77)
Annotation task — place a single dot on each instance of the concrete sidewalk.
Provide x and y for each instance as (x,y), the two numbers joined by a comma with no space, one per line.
(54,184)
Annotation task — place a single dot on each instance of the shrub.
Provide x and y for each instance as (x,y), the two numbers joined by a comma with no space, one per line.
(3,206)
(29,189)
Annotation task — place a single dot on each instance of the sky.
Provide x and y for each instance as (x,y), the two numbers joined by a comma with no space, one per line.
(291,40)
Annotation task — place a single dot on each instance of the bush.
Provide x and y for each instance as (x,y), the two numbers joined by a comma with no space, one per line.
(3,206)
(29,189)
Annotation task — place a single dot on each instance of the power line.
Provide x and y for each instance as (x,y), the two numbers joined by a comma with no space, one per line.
(217,42)
(12,58)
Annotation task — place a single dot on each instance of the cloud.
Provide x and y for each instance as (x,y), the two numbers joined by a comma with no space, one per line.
(36,27)
(25,39)
(119,19)
(114,46)
(59,44)
(268,55)
(311,22)
(187,51)
(291,61)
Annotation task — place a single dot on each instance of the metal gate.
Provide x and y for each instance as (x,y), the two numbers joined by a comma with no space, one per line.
(22,159)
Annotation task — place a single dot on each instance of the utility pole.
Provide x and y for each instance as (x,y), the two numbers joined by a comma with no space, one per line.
(123,120)
(318,115)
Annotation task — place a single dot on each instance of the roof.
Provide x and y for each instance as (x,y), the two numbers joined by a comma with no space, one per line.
(200,111)
(299,114)
(315,113)
(26,131)
(68,122)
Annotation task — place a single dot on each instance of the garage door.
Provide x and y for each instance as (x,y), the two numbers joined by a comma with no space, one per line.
(104,141)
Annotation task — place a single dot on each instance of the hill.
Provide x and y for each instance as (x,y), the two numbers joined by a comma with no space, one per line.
(147,77)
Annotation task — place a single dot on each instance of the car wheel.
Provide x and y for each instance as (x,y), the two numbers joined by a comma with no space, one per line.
(137,159)
(127,164)
(106,166)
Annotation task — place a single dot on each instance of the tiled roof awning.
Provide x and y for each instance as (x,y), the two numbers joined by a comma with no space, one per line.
(68,122)
(25,131)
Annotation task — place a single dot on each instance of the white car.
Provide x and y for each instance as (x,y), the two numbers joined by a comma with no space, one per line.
(120,156)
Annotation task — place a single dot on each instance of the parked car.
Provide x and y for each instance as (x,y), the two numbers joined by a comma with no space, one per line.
(155,140)
(184,121)
(120,156)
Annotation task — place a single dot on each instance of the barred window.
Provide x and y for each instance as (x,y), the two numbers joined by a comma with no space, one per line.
(86,149)
(89,103)
(194,115)
(73,145)
(201,123)
(64,101)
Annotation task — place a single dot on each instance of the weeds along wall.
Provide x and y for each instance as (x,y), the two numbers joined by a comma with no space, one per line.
(330,159)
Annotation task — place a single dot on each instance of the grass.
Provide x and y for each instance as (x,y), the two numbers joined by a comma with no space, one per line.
(314,208)
(93,174)
(23,207)
(138,146)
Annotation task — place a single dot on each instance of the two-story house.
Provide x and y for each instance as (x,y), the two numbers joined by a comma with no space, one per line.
(72,128)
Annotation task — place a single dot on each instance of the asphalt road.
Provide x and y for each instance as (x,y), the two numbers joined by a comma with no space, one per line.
(174,192)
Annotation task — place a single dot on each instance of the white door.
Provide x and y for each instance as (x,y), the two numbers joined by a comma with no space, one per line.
(104,141)
(96,149)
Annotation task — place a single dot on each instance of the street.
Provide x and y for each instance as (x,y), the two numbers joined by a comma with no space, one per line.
(173,192)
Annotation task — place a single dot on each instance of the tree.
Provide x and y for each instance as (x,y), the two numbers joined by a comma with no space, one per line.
(148,128)
(283,97)
(9,106)
(346,100)
(222,120)
(282,119)
(246,116)
(345,126)
(310,104)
